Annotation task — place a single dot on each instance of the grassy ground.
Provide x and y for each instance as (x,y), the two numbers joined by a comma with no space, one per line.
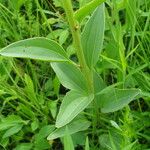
(30,93)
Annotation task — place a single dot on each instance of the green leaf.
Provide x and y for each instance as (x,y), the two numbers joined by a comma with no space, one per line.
(73,103)
(130,146)
(10,121)
(41,143)
(68,143)
(93,35)
(24,146)
(115,99)
(70,76)
(13,130)
(27,110)
(73,127)
(30,90)
(45,131)
(34,125)
(87,9)
(63,37)
(87,147)
(99,84)
(35,48)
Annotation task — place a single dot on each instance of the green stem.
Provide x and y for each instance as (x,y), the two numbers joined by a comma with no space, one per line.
(75,30)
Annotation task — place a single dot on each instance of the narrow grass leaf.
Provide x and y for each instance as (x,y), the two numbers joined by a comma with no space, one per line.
(10,121)
(87,147)
(73,103)
(35,48)
(93,35)
(70,76)
(130,146)
(13,130)
(24,146)
(115,99)
(68,143)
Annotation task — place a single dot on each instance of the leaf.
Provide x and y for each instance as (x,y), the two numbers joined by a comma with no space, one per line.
(27,110)
(63,37)
(70,76)
(45,131)
(29,89)
(24,146)
(73,103)
(99,84)
(81,13)
(93,35)
(73,127)
(115,99)
(87,147)
(13,130)
(40,142)
(68,143)
(34,125)
(10,121)
(130,146)
(79,137)
(52,105)
(35,48)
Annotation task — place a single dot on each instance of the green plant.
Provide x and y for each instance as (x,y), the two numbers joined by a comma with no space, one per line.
(86,86)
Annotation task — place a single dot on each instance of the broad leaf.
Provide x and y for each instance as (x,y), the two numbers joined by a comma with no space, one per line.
(87,9)
(73,127)
(70,76)
(73,103)
(114,99)
(35,48)
(92,36)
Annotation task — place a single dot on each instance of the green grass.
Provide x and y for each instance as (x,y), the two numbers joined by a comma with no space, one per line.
(30,93)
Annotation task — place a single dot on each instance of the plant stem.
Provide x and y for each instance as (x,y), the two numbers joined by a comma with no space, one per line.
(75,30)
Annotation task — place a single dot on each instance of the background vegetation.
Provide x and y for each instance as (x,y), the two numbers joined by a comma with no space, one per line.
(30,93)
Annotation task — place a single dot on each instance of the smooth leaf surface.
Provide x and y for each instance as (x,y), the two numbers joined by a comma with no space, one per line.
(70,76)
(41,142)
(45,131)
(68,143)
(35,48)
(73,127)
(24,146)
(73,103)
(99,85)
(11,121)
(93,35)
(13,130)
(87,147)
(81,13)
(115,99)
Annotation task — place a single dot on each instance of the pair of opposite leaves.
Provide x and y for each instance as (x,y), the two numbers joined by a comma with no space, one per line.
(69,74)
